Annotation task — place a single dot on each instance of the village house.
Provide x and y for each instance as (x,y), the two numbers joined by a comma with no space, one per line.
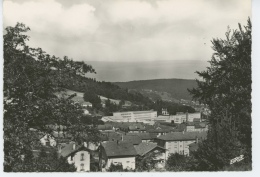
(79,155)
(117,152)
(178,142)
(181,117)
(159,153)
(106,128)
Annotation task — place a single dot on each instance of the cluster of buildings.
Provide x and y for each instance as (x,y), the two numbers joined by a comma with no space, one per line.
(150,117)
(122,142)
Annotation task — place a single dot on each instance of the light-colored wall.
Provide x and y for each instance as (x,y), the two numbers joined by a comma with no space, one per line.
(76,160)
(182,117)
(133,116)
(127,162)
(180,147)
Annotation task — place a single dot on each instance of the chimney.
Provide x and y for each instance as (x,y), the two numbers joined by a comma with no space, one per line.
(85,144)
(197,139)
(74,146)
(122,138)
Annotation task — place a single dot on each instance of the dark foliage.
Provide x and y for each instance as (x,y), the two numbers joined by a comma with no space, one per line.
(226,89)
(176,87)
(31,78)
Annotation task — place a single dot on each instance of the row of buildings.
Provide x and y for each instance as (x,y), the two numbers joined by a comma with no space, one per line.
(125,136)
(151,116)
(123,142)
(119,148)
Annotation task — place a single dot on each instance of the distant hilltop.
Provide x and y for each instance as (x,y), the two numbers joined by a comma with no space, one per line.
(146,70)
(166,89)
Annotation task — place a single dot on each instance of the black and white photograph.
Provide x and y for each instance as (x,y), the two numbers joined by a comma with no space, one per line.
(127,86)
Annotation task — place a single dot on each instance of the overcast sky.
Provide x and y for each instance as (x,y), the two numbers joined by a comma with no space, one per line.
(127,30)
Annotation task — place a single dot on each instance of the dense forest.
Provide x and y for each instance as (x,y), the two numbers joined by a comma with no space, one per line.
(176,87)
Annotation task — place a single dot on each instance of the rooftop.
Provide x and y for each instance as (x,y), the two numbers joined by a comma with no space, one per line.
(144,136)
(68,149)
(160,130)
(180,136)
(114,148)
(144,148)
(137,112)
(112,136)
(105,127)
(133,139)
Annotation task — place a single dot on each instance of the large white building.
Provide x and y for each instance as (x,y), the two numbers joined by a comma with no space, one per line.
(179,117)
(131,116)
(184,117)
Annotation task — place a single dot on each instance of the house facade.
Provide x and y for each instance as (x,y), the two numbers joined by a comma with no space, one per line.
(159,153)
(81,160)
(178,142)
(117,153)
(77,155)
(184,117)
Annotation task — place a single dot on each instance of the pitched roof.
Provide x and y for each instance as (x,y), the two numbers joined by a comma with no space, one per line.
(143,136)
(133,139)
(144,148)
(112,136)
(104,127)
(114,148)
(160,130)
(179,136)
(136,127)
(68,150)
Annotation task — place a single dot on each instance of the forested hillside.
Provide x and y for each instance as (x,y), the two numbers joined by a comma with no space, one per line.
(176,87)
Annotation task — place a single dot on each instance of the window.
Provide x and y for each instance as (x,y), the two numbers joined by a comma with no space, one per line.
(82,157)
(127,161)
(82,167)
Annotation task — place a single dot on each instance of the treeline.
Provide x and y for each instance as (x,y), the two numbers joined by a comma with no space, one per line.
(31,79)
(83,84)
(172,108)
(176,87)
(226,89)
